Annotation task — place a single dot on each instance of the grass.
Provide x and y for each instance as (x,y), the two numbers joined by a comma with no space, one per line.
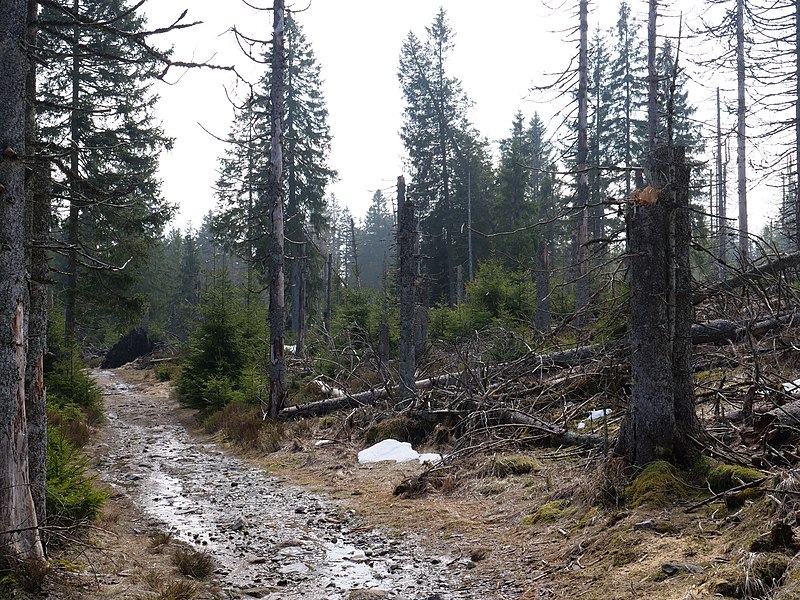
(191,563)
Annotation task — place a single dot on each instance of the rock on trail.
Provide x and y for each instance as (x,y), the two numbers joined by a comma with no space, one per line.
(269,540)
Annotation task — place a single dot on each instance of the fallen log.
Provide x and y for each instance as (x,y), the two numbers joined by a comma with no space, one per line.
(756,272)
(561,358)
(715,331)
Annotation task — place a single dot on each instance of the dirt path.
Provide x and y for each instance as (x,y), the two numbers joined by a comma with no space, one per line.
(269,539)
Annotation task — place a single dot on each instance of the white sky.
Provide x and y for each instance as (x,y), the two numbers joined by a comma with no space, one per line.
(500,52)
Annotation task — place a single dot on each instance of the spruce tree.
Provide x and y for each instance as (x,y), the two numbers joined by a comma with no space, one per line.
(97,109)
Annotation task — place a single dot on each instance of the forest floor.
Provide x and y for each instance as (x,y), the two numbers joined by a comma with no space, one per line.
(310,521)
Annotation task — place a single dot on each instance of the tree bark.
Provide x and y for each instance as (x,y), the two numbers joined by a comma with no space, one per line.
(661,410)
(407,283)
(278,392)
(652,76)
(17,510)
(582,250)
(38,234)
(71,288)
(722,238)
(741,155)
(797,123)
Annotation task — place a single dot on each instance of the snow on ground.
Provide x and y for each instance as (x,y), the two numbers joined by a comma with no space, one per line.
(393,450)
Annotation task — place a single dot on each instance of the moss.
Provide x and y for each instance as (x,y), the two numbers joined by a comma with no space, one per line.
(399,428)
(589,518)
(551,511)
(492,489)
(511,464)
(724,477)
(327,422)
(659,484)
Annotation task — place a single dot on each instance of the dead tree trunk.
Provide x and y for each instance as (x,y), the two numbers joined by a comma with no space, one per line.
(661,409)
(407,289)
(356,268)
(278,392)
(582,250)
(328,277)
(652,77)
(38,233)
(18,525)
(73,225)
(797,123)
(722,238)
(741,107)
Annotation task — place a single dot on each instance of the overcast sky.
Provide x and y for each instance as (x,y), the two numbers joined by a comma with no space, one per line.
(501,50)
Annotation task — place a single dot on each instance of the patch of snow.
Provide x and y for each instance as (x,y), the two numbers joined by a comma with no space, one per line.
(393,450)
(290,348)
(582,425)
(323,442)
(431,457)
(792,387)
(599,414)
(330,390)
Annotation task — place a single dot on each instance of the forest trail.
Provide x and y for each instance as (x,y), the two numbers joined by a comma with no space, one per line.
(269,539)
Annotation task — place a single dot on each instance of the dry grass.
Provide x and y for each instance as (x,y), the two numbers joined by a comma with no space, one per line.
(191,563)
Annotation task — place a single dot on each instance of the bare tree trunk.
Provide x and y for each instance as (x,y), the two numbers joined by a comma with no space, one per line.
(582,250)
(797,122)
(652,76)
(407,289)
(38,234)
(356,268)
(328,276)
(542,317)
(278,392)
(470,272)
(18,525)
(661,409)
(744,243)
(722,239)
(74,194)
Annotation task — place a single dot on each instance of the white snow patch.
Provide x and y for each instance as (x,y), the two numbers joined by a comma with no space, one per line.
(599,414)
(582,425)
(323,442)
(290,348)
(396,451)
(330,390)
(792,387)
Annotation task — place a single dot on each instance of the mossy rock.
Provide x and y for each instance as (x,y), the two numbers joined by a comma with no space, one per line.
(400,428)
(659,484)
(724,477)
(552,511)
(511,464)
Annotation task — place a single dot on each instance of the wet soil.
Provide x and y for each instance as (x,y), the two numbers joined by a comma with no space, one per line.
(269,539)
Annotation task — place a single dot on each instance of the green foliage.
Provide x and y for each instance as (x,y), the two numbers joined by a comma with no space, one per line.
(551,511)
(511,464)
(71,496)
(69,385)
(211,374)
(495,295)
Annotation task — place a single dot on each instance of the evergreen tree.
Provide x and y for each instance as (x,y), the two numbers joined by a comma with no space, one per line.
(626,82)
(375,245)
(442,149)
(97,107)
(601,141)
(513,209)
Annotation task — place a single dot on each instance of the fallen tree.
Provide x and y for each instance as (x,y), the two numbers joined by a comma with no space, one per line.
(756,272)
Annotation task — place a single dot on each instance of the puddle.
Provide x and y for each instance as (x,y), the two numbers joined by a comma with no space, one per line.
(270,540)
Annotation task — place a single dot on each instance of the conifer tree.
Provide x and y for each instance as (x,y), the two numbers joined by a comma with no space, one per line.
(97,110)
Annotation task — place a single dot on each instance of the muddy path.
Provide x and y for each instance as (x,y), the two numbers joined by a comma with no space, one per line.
(269,539)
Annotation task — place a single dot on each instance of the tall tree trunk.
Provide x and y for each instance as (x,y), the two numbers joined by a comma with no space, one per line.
(37,203)
(744,243)
(407,288)
(661,410)
(73,225)
(582,250)
(470,272)
(797,123)
(722,238)
(652,77)
(356,267)
(278,392)
(328,277)
(18,525)
(542,316)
